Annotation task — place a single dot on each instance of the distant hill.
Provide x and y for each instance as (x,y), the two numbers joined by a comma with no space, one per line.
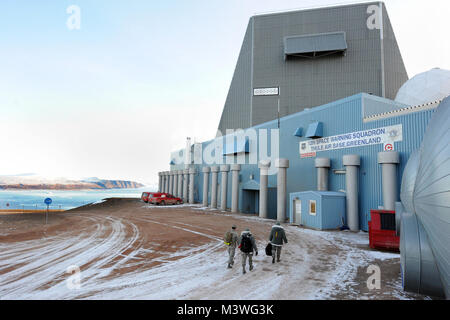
(34,182)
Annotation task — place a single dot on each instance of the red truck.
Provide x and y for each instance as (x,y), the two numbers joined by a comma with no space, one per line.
(147,195)
(164,199)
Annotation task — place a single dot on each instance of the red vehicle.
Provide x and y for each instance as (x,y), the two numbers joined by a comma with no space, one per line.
(164,199)
(147,195)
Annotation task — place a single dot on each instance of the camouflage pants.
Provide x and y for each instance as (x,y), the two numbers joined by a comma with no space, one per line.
(250,259)
(231,253)
(276,250)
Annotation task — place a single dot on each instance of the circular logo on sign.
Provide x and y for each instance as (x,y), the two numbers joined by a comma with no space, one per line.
(48,201)
(388,147)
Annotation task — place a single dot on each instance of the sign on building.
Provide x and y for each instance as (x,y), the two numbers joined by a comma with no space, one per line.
(275,91)
(385,135)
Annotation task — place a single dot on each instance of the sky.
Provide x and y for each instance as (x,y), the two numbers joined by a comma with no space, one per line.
(113,98)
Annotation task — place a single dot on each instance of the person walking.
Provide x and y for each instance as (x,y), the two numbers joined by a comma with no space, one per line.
(247,245)
(231,239)
(277,239)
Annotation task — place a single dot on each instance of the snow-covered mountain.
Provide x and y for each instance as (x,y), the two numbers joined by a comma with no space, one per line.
(36,182)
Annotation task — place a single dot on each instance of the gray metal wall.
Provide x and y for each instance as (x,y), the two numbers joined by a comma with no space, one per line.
(306,83)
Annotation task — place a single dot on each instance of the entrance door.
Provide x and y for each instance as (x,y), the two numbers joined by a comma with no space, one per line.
(298,211)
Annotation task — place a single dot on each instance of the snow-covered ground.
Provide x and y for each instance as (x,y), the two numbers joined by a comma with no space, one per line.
(315,265)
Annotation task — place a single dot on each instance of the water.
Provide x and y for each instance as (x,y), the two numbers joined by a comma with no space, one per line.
(34,199)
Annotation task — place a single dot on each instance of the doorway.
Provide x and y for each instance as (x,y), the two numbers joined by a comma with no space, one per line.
(297,206)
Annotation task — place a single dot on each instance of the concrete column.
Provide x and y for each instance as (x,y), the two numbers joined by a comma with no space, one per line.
(224,186)
(165,182)
(185,185)
(282,165)
(180,184)
(323,166)
(263,187)
(205,171)
(175,183)
(192,173)
(352,163)
(389,161)
(235,168)
(159,181)
(214,173)
(170,182)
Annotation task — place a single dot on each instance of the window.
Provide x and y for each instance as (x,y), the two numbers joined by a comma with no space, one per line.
(312,207)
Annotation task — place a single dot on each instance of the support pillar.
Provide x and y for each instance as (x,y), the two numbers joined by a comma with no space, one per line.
(180,184)
(224,186)
(389,161)
(282,165)
(166,182)
(352,163)
(192,173)
(175,183)
(323,165)
(185,185)
(214,173)
(263,187)
(205,171)
(170,182)
(235,168)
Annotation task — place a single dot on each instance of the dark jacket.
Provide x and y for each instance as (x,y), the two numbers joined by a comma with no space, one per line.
(277,236)
(251,239)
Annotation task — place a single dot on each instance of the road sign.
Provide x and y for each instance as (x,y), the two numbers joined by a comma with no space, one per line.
(48,201)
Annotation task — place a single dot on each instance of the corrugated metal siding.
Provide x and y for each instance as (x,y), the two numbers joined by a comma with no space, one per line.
(343,116)
(309,83)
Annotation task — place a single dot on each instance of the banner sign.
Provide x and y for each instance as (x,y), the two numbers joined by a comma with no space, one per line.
(386,136)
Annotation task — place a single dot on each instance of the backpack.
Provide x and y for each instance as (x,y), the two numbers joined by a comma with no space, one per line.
(246,244)
(228,238)
(269,249)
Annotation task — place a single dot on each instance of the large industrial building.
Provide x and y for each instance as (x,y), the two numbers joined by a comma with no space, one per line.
(325,140)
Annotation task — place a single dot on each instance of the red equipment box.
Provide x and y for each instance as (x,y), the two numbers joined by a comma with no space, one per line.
(382,230)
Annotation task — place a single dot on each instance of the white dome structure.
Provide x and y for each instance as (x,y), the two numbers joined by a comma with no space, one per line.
(425,87)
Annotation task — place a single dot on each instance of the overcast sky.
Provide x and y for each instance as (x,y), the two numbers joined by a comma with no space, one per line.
(113,98)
